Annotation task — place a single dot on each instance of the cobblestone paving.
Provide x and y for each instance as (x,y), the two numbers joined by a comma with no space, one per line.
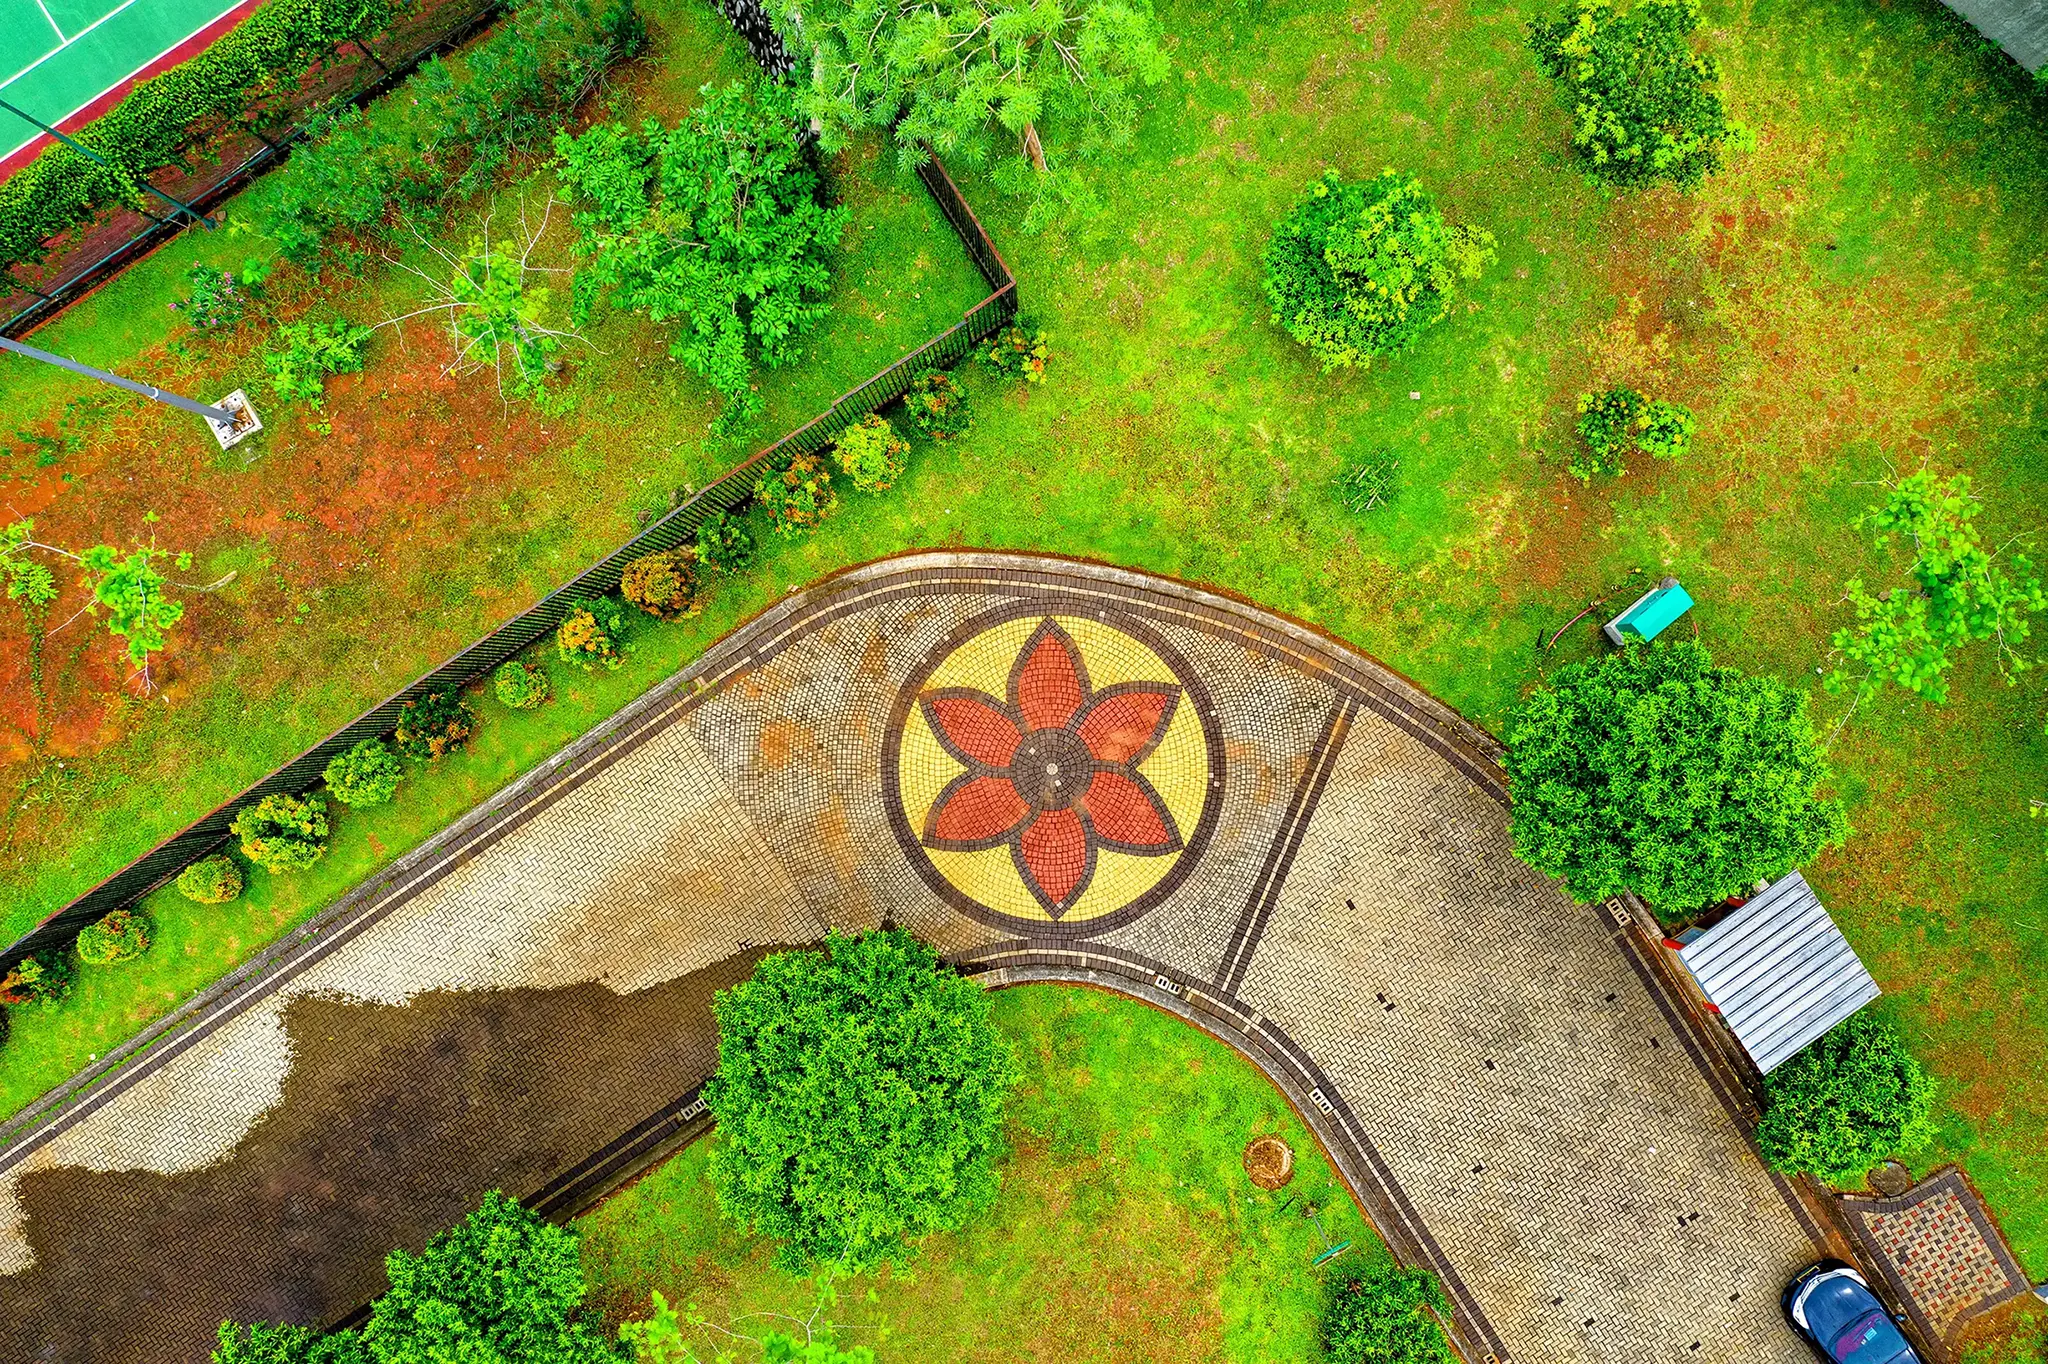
(1936,1246)
(1050,771)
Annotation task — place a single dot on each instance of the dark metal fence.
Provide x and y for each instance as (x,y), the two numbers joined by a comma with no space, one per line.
(356,73)
(731,490)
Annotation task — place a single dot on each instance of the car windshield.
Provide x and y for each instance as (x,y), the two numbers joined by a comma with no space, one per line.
(1870,1339)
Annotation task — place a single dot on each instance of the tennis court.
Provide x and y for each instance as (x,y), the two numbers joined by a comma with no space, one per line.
(68,61)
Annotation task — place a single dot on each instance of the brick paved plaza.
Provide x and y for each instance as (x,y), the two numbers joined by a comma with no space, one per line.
(1051,771)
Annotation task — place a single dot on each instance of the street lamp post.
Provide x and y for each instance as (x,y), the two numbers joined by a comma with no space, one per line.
(232,420)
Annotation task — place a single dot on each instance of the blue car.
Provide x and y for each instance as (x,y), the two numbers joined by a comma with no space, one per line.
(1832,1306)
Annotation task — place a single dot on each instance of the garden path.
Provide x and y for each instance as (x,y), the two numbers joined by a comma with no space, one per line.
(1052,771)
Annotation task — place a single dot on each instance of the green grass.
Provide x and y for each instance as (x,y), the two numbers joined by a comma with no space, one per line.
(1126,1228)
(1866,288)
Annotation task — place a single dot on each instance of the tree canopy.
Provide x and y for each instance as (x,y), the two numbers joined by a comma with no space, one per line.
(1852,1098)
(1644,106)
(1960,594)
(1360,268)
(1014,85)
(859,1098)
(718,223)
(1656,771)
(1384,1316)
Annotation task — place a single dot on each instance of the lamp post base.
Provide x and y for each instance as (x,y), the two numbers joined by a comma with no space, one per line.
(245,424)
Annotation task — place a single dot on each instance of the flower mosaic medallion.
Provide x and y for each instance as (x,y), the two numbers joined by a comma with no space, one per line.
(1053,773)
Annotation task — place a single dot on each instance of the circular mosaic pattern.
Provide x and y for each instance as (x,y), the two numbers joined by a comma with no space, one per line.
(1053,773)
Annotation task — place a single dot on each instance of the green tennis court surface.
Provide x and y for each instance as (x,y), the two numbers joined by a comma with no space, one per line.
(58,56)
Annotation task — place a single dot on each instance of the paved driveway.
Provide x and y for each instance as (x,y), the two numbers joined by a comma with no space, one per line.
(1052,771)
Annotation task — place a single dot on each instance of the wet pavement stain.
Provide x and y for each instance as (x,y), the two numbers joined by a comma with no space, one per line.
(394,1122)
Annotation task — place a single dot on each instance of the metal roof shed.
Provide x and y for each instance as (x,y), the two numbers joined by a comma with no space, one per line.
(1779,972)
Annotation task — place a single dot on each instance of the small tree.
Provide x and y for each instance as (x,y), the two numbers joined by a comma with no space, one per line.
(434,725)
(128,586)
(1384,1316)
(872,454)
(283,833)
(718,223)
(1614,422)
(1653,770)
(724,544)
(522,685)
(1361,268)
(119,936)
(664,585)
(263,1343)
(367,774)
(1644,107)
(991,82)
(44,978)
(501,1287)
(1851,1099)
(211,880)
(1960,594)
(859,1098)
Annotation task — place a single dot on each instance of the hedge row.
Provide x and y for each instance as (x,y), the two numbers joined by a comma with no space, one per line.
(153,125)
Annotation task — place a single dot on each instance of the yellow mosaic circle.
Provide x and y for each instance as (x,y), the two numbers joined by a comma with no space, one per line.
(1055,770)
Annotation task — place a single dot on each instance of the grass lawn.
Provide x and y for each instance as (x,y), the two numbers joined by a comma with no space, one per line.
(1867,289)
(1126,1228)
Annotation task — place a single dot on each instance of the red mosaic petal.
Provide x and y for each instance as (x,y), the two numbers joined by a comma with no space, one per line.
(977,810)
(1055,855)
(973,727)
(1123,812)
(1122,725)
(1049,683)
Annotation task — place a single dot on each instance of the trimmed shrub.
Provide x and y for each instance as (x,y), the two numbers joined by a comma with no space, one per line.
(432,725)
(522,685)
(1620,420)
(1017,350)
(312,352)
(121,936)
(859,1098)
(1361,268)
(589,634)
(800,497)
(1655,771)
(1852,1098)
(367,774)
(664,585)
(283,833)
(872,454)
(724,544)
(938,405)
(211,880)
(44,978)
(1383,1316)
(1644,107)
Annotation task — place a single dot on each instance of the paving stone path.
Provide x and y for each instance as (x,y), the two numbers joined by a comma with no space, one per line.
(1937,1249)
(1052,771)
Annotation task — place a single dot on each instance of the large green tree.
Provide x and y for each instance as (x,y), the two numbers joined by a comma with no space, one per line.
(1654,770)
(719,224)
(859,1098)
(1851,1099)
(1015,85)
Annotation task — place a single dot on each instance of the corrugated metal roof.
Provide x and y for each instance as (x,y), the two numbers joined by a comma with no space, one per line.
(1780,972)
(2018,26)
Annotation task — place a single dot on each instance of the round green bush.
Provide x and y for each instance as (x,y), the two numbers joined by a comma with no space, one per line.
(724,544)
(437,723)
(799,497)
(1382,1316)
(211,880)
(283,833)
(120,936)
(1852,1098)
(522,685)
(872,454)
(1364,267)
(1018,350)
(937,404)
(43,978)
(1619,420)
(589,634)
(367,774)
(664,585)
(859,1098)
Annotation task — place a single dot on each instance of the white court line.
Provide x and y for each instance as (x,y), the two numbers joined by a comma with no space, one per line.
(62,41)
(80,34)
